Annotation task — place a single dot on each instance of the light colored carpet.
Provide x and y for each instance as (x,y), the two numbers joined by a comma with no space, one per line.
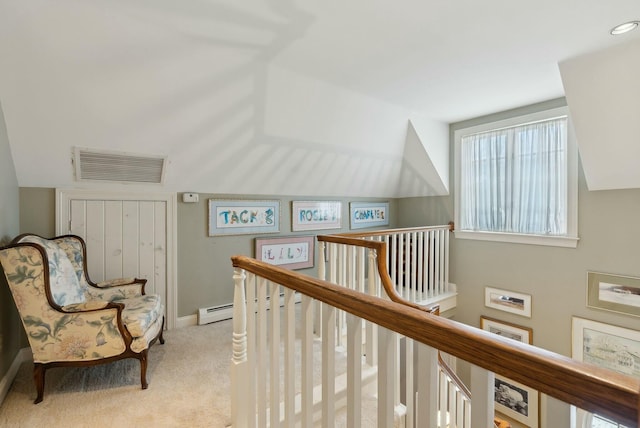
(188,387)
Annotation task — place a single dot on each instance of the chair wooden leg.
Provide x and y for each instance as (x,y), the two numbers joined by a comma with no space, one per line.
(38,378)
(143,369)
(162,332)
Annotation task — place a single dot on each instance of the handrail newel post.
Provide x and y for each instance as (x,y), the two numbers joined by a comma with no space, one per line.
(239,373)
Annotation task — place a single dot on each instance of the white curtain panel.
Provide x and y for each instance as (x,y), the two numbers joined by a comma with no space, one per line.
(514,179)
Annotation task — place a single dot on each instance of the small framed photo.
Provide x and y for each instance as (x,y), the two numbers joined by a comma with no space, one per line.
(315,215)
(508,301)
(517,401)
(605,345)
(292,252)
(368,214)
(237,217)
(613,293)
(507,329)
(512,398)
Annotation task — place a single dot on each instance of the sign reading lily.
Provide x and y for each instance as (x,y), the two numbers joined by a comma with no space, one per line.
(234,217)
(293,252)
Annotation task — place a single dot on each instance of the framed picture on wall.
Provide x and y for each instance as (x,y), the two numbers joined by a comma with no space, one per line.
(506,329)
(614,293)
(316,215)
(237,217)
(517,401)
(368,214)
(514,399)
(508,301)
(605,345)
(292,252)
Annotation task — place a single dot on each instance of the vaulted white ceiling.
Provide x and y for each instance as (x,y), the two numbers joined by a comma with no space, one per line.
(279,96)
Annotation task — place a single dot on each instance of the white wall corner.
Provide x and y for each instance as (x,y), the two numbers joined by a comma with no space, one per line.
(603,95)
(23,356)
(426,156)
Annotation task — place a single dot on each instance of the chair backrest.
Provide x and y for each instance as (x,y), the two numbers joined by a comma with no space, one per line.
(66,287)
(75,248)
(56,335)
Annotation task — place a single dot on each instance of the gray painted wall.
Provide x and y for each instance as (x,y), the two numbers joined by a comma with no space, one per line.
(11,336)
(204,265)
(556,278)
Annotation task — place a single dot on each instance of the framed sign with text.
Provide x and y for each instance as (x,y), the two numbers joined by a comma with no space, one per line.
(292,252)
(368,214)
(238,217)
(315,215)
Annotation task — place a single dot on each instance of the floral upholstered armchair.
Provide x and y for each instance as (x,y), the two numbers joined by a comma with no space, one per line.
(70,320)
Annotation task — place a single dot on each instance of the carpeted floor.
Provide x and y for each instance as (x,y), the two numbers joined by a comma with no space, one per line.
(188,387)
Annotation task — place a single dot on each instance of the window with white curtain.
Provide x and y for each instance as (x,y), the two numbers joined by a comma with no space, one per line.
(516,180)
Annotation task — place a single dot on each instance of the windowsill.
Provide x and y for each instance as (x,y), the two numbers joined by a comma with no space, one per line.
(516,238)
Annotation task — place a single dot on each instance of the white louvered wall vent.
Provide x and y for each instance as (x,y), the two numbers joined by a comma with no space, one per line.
(102,165)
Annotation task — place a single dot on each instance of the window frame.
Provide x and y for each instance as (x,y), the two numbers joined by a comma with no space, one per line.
(570,240)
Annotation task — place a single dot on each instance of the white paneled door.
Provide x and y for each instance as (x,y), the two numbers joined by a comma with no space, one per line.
(127,235)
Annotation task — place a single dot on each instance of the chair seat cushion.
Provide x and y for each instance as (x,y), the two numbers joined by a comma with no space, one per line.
(141,312)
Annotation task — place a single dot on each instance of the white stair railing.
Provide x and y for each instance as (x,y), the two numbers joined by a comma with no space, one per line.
(417,260)
(269,361)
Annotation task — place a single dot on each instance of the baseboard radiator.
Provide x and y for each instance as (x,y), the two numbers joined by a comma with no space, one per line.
(225,312)
(215,313)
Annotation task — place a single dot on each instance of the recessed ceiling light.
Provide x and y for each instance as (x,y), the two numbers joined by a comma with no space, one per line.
(624,28)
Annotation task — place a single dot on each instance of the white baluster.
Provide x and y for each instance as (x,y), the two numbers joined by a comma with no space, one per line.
(446,259)
(482,391)
(409,386)
(274,374)
(354,371)
(322,274)
(414,257)
(371,348)
(421,271)
(361,270)
(289,357)
(240,378)
(431,264)
(427,386)
(328,365)
(386,377)
(251,342)
(442,400)
(306,364)
(261,363)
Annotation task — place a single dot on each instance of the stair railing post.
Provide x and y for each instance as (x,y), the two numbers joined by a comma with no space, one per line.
(482,391)
(241,414)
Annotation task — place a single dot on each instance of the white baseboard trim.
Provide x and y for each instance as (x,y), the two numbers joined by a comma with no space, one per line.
(23,355)
(187,321)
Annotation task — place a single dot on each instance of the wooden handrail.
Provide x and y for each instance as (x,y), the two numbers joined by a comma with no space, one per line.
(381,250)
(370,233)
(454,377)
(584,385)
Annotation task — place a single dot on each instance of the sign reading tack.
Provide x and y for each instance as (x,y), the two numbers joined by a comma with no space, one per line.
(236,217)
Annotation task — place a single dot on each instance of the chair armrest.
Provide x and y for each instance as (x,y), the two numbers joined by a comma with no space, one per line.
(91,305)
(117,289)
(116,282)
(119,282)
